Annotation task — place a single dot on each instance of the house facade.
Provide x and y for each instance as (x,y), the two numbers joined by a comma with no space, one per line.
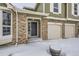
(62,20)
(47,21)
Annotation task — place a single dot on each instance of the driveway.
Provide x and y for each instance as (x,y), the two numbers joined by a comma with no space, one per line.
(69,46)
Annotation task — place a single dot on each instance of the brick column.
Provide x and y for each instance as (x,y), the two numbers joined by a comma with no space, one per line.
(63,30)
(76,30)
(13,28)
(44,23)
(22,28)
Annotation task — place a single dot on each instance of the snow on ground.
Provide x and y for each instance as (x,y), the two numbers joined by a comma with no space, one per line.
(69,46)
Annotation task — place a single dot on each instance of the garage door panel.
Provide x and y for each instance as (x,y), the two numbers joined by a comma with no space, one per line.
(54,31)
(69,30)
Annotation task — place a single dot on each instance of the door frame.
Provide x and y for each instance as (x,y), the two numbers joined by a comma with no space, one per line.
(32,21)
(31,29)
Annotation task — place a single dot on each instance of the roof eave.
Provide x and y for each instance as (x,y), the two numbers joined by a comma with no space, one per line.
(32,12)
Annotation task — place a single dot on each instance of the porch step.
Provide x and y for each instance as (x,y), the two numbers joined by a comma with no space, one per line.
(35,40)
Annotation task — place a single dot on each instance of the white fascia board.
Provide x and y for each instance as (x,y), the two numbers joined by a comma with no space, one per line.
(73,19)
(4,8)
(55,18)
(32,12)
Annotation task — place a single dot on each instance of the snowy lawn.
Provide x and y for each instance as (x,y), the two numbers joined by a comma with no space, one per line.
(69,46)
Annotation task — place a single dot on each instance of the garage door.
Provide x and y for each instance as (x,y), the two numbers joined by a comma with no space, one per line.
(54,30)
(69,30)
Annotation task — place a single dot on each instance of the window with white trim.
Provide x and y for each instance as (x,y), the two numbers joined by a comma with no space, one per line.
(6,23)
(55,8)
(75,9)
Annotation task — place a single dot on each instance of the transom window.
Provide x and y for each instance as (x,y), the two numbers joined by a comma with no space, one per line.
(55,8)
(75,9)
(6,23)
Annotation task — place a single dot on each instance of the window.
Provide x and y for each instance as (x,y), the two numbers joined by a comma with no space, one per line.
(75,8)
(6,23)
(55,8)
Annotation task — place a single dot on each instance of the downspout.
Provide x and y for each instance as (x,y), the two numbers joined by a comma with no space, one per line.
(16,29)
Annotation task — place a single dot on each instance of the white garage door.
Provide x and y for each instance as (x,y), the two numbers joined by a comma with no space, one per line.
(54,30)
(69,30)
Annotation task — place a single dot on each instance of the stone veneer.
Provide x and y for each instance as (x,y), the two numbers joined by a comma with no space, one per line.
(44,29)
(22,30)
(22,34)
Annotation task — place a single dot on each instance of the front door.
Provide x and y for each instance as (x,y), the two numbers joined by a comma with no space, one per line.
(32,26)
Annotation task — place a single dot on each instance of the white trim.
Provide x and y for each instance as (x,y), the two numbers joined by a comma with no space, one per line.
(11,23)
(30,28)
(54,23)
(69,24)
(16,28)
(32,19)
(43,7)
(73,19)
(7,38)
(60,8)
(52,8)
(74,10)
(55,18)
(64,19)
(7,26)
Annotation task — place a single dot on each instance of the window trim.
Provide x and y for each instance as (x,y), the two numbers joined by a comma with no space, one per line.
(52,8)
(74,10)
(7,25)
